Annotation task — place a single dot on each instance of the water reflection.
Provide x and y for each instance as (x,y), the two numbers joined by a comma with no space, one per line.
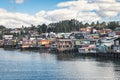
(41,65)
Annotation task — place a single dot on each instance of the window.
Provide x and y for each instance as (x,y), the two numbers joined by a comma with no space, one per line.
(115,48)
(117,42)
(59,46)
(118,48)
(67,46)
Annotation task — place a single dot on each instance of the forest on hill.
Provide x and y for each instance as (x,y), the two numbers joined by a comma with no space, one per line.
(69,25)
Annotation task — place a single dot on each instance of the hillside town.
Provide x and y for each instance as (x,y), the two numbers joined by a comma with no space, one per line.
(85,40)
(59,39)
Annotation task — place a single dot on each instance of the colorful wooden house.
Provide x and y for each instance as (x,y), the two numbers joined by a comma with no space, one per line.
(116,46)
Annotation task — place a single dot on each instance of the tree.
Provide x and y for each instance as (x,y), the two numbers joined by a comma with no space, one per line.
(112,25)
(93,24)
(2,27)
(44,28)
(97,25)
(103,25)
(86,24)
(32,27)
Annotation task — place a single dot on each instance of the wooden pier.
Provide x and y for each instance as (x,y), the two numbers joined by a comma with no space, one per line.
(102,55)
(109,55)
(30,48)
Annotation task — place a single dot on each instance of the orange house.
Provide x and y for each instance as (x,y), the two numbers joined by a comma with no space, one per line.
(44,42)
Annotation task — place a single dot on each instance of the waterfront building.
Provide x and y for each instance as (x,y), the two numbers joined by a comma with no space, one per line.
(116,46)
(63,45)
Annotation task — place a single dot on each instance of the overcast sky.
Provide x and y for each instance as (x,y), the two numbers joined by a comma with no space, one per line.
(14,13)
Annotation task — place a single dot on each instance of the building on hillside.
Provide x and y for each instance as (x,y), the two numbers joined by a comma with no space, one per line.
(115,33)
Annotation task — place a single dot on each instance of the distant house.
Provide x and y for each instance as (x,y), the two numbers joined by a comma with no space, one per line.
(115,33)
(79,36)
(87,29)
(82,29)
(8,36)
(95,36)
(15,31)
(105,31)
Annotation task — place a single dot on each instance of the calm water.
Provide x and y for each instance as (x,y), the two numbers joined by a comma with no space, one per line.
(25,65)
